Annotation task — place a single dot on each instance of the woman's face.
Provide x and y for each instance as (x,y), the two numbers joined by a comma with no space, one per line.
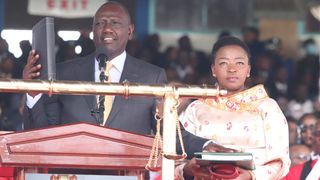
(231,68)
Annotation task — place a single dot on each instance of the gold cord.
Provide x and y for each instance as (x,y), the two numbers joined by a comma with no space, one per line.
(157,144)
(184,154)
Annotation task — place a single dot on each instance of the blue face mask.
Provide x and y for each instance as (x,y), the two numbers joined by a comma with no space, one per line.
(311,49)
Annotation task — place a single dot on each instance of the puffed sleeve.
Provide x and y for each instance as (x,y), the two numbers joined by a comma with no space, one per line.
(277,162)
(189,120)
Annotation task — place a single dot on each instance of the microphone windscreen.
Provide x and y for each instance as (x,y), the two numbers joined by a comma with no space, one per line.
(102,53)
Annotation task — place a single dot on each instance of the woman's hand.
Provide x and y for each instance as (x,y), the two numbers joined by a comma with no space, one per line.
(192,169)
(244,174)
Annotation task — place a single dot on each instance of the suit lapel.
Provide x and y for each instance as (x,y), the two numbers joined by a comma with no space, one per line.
(128,74)
(85,72)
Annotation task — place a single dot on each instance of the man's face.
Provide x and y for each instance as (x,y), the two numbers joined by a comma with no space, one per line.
(112,29)
(316,139)
(307,127)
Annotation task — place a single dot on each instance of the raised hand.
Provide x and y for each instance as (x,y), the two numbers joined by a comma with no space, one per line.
(31,70)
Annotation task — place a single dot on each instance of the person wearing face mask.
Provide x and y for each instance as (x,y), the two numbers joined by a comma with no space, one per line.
(309,48)
(245,120)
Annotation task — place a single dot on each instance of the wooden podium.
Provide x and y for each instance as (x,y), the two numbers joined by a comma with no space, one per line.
(76,146)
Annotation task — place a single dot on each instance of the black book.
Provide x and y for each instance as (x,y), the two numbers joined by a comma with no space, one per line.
(241,159)
(43,41)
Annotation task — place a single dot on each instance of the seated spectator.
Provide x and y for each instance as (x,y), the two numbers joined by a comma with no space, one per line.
(299,154)
(278,86)
(251,36)
(308,66)
(306,126)
(301,103)
(10,103)
(293,131)
(303,170)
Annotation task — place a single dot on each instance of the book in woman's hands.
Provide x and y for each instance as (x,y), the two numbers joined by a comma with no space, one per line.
(241,159)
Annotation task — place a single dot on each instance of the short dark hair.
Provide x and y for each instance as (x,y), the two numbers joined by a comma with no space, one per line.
(116,3)
(227,41)
(308,42)
(251,29)
(305,115)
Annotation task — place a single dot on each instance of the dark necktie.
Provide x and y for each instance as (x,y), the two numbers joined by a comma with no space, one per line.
(105,102)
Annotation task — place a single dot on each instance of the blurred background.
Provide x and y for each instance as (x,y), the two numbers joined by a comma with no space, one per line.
(202,20)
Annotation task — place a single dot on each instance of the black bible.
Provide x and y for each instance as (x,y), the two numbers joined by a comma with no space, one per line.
(43,41)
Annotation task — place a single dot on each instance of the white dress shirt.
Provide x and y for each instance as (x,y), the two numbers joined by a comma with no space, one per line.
(115,74)
(116,69)
(314,156)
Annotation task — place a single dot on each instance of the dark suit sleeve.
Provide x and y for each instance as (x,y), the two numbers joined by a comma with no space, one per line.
(162,77)
(192,143)
(44,113)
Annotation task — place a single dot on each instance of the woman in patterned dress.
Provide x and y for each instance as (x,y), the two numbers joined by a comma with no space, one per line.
(244,120)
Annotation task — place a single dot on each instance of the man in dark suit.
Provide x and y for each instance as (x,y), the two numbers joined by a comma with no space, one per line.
(112,29)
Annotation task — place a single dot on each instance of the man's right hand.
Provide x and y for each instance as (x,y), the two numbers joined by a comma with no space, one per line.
(32,70)
(213,147)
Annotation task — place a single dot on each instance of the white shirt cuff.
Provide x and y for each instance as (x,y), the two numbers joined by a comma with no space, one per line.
(31,101)
(209,141)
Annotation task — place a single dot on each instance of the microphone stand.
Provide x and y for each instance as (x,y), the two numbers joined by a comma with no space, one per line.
(101,98)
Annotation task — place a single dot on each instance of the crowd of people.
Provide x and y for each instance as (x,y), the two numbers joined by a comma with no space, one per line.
(291,81)
(183,63)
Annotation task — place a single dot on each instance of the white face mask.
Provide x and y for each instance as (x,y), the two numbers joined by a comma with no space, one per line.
(311,49)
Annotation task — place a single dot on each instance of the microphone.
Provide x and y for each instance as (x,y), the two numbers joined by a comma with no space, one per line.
(98,109)
(102,57)
(102,61)
(95,111)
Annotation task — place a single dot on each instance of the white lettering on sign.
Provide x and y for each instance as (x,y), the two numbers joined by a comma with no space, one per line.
(65,4)
(64,8)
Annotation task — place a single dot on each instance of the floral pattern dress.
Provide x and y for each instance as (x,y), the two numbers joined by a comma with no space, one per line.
(249,121)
